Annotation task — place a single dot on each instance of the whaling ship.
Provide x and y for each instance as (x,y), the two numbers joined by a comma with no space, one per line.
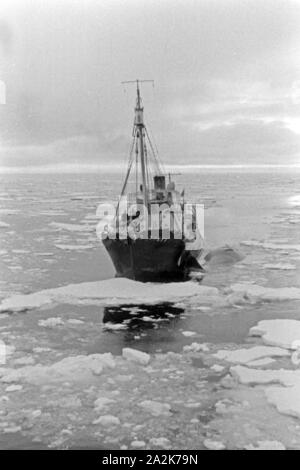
(152,237)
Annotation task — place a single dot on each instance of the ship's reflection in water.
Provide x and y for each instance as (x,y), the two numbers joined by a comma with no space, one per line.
(141,316)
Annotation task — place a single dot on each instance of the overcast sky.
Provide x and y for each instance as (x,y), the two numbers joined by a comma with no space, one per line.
(227,80)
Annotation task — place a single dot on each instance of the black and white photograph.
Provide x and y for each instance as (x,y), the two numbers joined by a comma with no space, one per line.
(149,227)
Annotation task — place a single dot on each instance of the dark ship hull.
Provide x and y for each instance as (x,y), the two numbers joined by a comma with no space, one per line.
(148,260)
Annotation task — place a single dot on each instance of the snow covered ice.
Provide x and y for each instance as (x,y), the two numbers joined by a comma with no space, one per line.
(136,356)
(280,332)
(116,291)
(245,356)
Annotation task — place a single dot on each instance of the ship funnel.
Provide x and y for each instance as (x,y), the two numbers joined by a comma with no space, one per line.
(159,182)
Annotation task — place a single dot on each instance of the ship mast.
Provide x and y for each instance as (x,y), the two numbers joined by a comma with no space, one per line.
(139,132)
(139,123)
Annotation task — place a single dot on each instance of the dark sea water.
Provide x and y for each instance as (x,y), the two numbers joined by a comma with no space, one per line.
(255,213)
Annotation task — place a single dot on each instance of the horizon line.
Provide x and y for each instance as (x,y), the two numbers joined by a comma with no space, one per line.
(87,168)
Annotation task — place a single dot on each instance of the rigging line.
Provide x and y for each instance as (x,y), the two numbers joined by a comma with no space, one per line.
(124,159)
(154,170)
(136,168)
(127,174)
(131,150)
(154,142)
(152,137)
(160,164)
(151,175)
(147,163)
(124,185)
(131,153)
(151,147)
(155,156)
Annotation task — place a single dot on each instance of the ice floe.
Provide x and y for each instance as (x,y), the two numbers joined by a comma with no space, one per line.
(271,246)
(294,200)
(266,445)
(24,361)
(284,398)
(75,321)
(189,333)
(280,266)
(114,326)
(213,445)
(261,362)
(9,211)
(111,291)
(72,227)
(246,355)
(13,388)
(156,408)
(248,376)
(160,443)
(12,429)
(138,444)
(71,368)
(47,253)
(51,322)
(107,420)
(279,332)
(39,350)
(4,224)
(74,247)
(255,292)
(102,403)
(120,291)
(136,356)
(196,347)
(217,368)
(20,303)
(52,213)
